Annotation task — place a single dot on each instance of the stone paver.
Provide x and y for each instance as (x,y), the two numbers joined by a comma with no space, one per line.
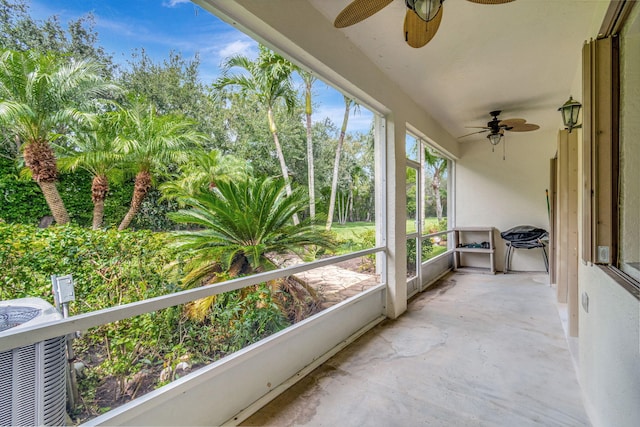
(333,282)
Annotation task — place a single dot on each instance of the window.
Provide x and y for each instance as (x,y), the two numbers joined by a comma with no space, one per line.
(629,149)
(611,224)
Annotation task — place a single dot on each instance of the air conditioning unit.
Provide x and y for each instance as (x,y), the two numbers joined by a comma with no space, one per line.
(32,378)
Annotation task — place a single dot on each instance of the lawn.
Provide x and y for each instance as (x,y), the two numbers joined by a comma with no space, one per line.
(352,230)
(355,236)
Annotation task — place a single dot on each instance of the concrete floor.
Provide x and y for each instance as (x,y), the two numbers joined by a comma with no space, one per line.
(474,350)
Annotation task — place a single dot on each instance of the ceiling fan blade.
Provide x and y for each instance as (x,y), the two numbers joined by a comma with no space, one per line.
(490,1)
(512,122)
(525,127)
(417,32)
(359,10)
(474,133)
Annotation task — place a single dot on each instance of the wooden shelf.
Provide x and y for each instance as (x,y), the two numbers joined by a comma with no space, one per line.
(466,235)
(476,250)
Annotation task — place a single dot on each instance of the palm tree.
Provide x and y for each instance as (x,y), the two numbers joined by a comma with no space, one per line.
(240,223)
(95,152)
(438,166)
(41,99)
(202,171)
(309,79)
(348,103)
(150,143)
(268,79)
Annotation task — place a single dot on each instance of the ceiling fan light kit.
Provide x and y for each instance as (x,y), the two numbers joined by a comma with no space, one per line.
(497,129)
(425,9)
(421,21)
(494,138)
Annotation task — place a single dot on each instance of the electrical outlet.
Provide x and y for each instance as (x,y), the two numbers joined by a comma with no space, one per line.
(603,254)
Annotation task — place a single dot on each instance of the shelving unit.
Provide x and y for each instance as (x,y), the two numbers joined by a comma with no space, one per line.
(466,235)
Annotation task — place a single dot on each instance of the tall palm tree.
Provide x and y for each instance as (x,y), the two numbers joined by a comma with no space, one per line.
(268,79)
(43,97)
(202,171)
(95,152)
(150,143)
(348,103)
(438,166)
(309,79)
(240,223)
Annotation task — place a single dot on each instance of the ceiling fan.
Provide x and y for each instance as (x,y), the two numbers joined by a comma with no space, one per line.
(421,22)
(497,127)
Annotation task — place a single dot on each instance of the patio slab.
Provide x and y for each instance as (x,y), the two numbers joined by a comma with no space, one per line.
(474,350)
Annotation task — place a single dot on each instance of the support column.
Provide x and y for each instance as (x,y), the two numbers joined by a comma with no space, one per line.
(391,184)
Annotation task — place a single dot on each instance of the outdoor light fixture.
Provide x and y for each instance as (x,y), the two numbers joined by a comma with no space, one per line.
(425,9)
(570,111)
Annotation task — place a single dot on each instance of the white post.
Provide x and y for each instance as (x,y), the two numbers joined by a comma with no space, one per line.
(393,184)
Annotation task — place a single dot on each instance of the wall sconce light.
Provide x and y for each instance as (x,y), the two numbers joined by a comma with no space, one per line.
(570,111)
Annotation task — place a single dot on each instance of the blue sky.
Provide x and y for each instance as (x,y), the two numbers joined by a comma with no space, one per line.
(160,26)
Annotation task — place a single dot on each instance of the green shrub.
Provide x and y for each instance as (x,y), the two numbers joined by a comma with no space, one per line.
(111,268)
(108,267)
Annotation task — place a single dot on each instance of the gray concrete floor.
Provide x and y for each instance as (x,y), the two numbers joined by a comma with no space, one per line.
(473,350)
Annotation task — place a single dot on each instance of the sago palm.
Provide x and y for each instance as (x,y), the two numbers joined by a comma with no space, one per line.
(42,97)
(150,142)
(268,79)
(240,223)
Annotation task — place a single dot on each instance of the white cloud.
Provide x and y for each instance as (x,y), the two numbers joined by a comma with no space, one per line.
(238,47)
(359,121)
(174,3)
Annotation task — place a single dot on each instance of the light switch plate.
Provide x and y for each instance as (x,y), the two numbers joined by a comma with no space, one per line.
(603,254)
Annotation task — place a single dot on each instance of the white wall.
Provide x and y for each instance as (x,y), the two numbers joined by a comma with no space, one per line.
(609,350)
(501,193)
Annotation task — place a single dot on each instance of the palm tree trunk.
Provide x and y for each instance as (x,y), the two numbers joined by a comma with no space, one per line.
(140,190)
(98,214)
(310,167)
(99,190)
(336,164)
(436,192)
(51,195)
(40,159)
(283,164)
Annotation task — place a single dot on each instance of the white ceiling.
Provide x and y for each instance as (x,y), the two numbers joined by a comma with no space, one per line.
(521,57)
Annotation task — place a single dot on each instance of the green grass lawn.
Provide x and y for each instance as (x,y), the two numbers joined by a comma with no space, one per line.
(352,229)
(353,235)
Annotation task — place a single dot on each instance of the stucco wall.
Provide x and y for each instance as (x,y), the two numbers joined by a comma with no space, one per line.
(609,350)
(501,193)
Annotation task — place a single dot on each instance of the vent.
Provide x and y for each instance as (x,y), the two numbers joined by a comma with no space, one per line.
(32,378)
